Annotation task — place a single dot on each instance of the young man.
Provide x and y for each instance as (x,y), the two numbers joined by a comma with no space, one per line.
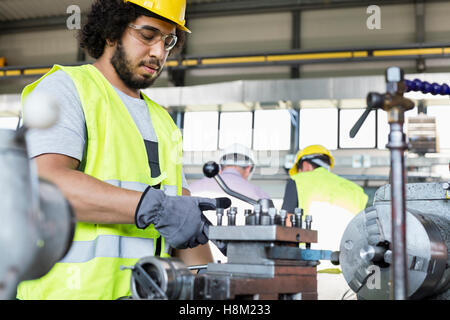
(332,202)
(116,154)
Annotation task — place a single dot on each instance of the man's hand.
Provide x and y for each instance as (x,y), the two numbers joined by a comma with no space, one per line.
(179,219)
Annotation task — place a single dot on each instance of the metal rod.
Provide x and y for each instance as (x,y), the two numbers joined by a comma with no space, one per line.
(233,193)
(198,267)
(397,145)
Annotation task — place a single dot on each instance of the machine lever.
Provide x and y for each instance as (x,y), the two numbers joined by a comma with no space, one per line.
(211,170)
(374,101)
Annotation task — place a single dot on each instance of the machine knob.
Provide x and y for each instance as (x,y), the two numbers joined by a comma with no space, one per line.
(335,258)
(375,100)
(394,74)
(446,186)
(210,169)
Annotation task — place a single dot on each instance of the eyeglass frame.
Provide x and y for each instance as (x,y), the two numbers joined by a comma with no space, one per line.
(163,36)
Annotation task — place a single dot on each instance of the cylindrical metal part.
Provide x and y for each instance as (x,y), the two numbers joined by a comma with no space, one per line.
(36,218)
(272,215)
(293,221)
(232,216)
(264,220)
(365,247)
(219,214)
(308,221)
(248,217)
(397,145)
(298,212)
(56,227)
(283,215)
(170,275)
(372,253)
(257,212)
(265,205)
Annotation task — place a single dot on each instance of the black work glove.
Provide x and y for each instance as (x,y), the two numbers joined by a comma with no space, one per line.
(178,219)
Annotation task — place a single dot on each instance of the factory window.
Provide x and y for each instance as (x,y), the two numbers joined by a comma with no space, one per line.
(200,131)
(365,138)
(318,126)
(235,127)
(383,129)
(442,114)
(8,122)
(272,130)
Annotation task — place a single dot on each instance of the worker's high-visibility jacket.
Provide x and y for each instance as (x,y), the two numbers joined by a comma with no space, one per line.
(115,154)
(332,202)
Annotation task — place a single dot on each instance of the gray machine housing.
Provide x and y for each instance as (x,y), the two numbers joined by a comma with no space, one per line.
(37,222)
(366,246)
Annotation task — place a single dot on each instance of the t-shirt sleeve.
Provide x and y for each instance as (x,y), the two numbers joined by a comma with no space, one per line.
(184,183)
(68,135)
(290,199)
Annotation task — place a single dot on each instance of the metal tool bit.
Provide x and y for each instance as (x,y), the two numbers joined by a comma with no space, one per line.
(272,215)
(257,211)
(298,212)
(283,215)
(219,214)
(308,221)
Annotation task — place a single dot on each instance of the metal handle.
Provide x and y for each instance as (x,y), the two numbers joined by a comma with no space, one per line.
(211,170)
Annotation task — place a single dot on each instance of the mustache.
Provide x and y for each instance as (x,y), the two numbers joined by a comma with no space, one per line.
(151,62)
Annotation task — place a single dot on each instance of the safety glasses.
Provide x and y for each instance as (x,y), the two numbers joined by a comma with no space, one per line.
(149,35)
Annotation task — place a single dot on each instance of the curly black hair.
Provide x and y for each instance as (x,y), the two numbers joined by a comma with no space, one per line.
(108,20)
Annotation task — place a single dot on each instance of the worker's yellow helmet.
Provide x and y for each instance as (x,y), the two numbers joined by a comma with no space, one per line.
(174,10)
(312,150)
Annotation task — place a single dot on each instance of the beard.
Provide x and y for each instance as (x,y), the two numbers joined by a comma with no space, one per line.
(124,69)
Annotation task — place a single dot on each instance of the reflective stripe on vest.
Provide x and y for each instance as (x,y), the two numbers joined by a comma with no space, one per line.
(109,246)
(115,154)
(137,186)
(130,185)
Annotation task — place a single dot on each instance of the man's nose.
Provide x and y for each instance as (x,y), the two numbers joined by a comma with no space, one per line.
(157,50)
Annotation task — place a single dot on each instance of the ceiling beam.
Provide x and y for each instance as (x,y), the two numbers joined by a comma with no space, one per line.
(222,8)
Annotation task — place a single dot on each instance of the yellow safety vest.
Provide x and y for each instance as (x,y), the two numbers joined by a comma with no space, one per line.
(115,154)
(320,186)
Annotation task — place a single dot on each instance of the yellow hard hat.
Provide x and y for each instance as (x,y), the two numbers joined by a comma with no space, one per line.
(173,10)
(315,149)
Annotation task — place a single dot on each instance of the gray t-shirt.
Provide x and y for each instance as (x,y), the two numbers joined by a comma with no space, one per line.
(68,135)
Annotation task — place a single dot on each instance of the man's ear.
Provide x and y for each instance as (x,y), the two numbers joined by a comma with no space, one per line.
(110,43)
